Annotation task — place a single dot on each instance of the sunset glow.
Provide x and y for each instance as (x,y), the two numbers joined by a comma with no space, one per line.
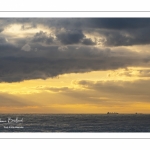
(76,65)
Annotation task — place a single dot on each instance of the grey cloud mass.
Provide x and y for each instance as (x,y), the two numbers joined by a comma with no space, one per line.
(69,45)
(70,37)
(1,30)
(42,37)
(135,90)
(52,62)
(88,42)
(126,37)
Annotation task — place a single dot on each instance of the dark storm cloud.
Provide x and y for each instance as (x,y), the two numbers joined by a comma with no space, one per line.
(88,41)
(117,23)
(2,41)
(117,31)
(68,49)
(70,36)
(7,49)
(103,23)
(73,37)
(126,37)
(1,30)
(50,62)
(42,37)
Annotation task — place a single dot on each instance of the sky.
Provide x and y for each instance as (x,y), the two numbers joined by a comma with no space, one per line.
(74,65)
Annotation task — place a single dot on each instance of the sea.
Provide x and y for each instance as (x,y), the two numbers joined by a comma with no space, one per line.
(74,123)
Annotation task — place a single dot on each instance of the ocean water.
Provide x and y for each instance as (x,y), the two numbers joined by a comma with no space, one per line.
(75,123)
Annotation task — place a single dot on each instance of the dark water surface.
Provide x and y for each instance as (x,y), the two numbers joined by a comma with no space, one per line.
(76,123)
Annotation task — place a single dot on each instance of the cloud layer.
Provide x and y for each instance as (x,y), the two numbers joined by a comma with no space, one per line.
(48,47)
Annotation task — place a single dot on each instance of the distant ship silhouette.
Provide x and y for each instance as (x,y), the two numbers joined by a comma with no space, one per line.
(138,113)
(109,113)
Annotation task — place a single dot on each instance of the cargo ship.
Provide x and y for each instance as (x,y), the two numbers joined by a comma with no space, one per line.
(112,113)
